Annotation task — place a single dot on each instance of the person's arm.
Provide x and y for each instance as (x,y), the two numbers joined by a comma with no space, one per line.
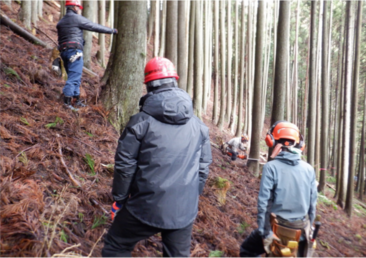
(205,161)
(265,191)
(313,199)
(126,161)
(86,24)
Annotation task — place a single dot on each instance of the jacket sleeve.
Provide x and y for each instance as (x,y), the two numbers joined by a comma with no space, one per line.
(86,24)
(313,199)
(264,196)
(126,157)
(205,161)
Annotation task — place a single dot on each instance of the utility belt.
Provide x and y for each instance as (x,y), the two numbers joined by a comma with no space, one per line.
(70,45)
(289,233)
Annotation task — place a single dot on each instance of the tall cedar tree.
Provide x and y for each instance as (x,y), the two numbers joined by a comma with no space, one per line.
(221,121)
(171,37)
(123,88)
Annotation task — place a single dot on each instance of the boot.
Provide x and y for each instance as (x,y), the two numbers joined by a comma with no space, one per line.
(78,102)
(67,103)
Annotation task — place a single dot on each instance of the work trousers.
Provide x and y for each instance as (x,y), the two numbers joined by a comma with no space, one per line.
(74,71)
(126,231)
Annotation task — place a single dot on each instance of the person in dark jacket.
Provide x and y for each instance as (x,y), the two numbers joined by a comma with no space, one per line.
(288,189)
(71,43)
(161,166)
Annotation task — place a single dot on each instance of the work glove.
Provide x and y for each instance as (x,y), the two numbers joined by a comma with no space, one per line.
(75,57)
(267,241)
(115,31)
(116,207)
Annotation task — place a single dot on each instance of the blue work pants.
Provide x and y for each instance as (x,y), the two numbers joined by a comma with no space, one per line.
(74,71)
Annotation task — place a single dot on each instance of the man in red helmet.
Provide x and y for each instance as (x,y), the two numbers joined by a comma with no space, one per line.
(288,189)
(70,40)
(161,166)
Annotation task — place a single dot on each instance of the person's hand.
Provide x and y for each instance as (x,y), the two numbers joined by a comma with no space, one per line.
(116,207)
(115,31)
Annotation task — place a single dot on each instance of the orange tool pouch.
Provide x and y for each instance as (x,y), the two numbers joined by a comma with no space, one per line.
(285,234)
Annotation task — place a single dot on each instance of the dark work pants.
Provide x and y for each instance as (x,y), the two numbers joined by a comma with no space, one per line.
(234,154)
(252,245)
(126,231)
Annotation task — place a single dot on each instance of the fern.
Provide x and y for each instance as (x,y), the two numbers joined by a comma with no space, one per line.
(90,161)
(58,120)
(9,71)
(63,236)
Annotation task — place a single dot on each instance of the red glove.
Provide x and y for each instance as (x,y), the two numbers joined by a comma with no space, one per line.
(115,209)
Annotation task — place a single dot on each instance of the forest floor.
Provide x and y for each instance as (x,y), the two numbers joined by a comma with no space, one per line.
(46,212)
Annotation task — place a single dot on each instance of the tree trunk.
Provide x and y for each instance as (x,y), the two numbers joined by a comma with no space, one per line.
(88,12)
(171,45)
(347,103)
(220,124)
(279,87)
(312,88)
(198,63)
(236,74)
(229,61)
(111,22)
(192,22)
(253,161)
(295,67)
(124,86)
(26,13)
(362,164)
(239,126)
(101,39)
(34,17)
(163,28)
(215,111)
(324,163)
(182,45)
(206,50)
(152,13)
(353,114)
(8,3)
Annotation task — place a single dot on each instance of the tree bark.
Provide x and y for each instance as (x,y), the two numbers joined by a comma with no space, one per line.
(8,3)
(26,13)
(34,17)
(171,45)
(347,103)
(353,114)
(182,45)
(101,39)
(362,164)
(88,12)
(163,29)
(221,121)
(198,62)
(324,163)
(192,22)
(62,8)
(111,22)
(279,86)
(229,62)
(152,13)
(215,111)
(157,29)
(124,86)
(253,161)
(40,8)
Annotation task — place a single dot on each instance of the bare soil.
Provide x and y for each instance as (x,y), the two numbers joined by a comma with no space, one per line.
(43,213)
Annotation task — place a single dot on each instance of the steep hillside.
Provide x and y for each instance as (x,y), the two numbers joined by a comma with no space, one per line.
(56,170)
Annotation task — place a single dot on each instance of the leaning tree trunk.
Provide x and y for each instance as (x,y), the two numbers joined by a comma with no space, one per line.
(220,124)
(324,162)
(352,153)
(26,13)
(123,90)
(182,45)
(101,39)
(279,87)
(347,103)
(171,37)
(88,12)
(253,161)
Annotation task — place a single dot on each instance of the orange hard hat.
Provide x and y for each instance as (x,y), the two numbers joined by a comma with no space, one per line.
(284,130)
(244,137)
(159,68)
(74,3)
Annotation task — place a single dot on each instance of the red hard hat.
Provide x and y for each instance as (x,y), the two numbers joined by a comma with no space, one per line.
(74,2)
(159,68)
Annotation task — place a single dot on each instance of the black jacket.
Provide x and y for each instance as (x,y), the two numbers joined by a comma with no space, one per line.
(70,28)
(162,160)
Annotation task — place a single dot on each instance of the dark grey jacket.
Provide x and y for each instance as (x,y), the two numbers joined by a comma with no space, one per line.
(162,161)
(288,189)
(70,28)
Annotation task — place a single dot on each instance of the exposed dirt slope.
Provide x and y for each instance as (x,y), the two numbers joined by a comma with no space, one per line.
(43,213)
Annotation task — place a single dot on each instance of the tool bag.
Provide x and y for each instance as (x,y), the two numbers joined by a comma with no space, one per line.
(286,235)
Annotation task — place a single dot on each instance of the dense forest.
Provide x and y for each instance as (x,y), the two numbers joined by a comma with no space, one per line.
(245,64)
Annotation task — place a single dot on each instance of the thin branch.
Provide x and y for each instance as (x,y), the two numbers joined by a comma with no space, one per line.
(88,145)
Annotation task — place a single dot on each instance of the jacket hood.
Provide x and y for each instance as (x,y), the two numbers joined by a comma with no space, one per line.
(168,105)
(288,158)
